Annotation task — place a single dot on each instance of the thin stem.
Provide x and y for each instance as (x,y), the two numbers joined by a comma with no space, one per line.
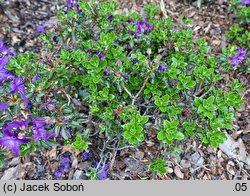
(143,86)
(124,87)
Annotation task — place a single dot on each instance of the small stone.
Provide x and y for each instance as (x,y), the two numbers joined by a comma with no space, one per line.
(169,170)
(74,162)
(185,164)
(10,174)
(15,161)
(78,175)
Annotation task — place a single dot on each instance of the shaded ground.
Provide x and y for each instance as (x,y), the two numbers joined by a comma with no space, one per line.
(18,22)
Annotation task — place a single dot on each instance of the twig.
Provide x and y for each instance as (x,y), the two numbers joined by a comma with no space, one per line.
(120,148)
(124,87)
(143,86)
(163,9)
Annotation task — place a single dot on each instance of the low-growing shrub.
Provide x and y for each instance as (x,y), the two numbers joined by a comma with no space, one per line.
(115,78)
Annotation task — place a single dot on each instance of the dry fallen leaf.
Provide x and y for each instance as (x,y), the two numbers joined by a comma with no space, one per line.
(230,167)
(69,148)
(178,172)
(52,153)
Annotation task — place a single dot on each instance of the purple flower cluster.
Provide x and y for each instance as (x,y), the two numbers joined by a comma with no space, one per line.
(246,3)
(17,85)
(102,171)
(73,4)
(238,59)
(64,165)
(39,129)
(143,27)
(11,139)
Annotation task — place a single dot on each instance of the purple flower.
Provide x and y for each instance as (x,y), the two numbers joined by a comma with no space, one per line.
(130,20)
(175,29)
(162,67)
(238,59)
(99,54)
(135,60)
(35,78)
(11,140)
(73,4)
(4,106)
(39,129)
(17,86)
(40,29)
(110,18)
(143,27)
(102,172)
(50,105)
(125,76)
(65,162)
(246,3)
(86,155)
(58,173)
(4,73)
(54,38)
(22,124)
(106,72)
(4,61)
(3,49)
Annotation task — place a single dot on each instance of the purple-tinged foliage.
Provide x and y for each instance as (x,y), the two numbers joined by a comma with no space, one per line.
(67,133)
(3,49)
(162,67)
(238,59)
(246,3)
(17,86)
(11,139)
(3,106)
